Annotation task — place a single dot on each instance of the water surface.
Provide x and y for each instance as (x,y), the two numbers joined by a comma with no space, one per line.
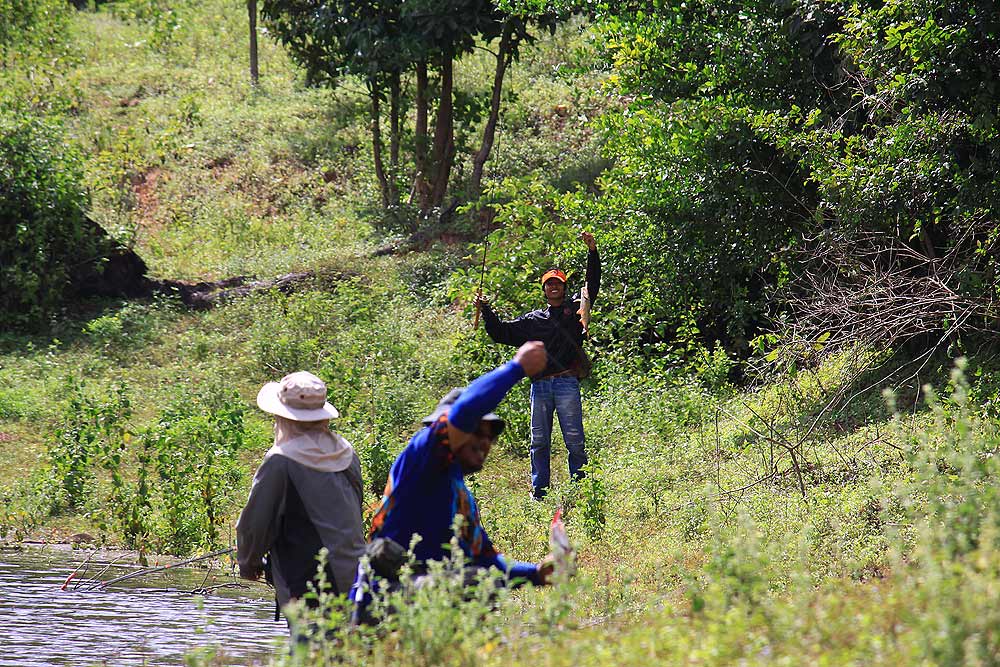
(152,620)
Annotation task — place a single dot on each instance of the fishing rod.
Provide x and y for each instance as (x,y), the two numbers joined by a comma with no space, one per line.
(104,584)
(482,275)
(100,574)
(73,574)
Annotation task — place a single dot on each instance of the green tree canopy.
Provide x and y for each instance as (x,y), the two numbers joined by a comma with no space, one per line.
(380,41)
(772,158)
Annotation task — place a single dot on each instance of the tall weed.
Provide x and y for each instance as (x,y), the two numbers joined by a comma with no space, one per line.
(196,460)
(949,559)
(93,433)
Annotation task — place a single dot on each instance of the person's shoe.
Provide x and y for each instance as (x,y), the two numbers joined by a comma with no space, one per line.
(538,496)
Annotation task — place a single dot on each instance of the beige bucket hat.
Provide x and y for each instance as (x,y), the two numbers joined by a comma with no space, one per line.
(299,396)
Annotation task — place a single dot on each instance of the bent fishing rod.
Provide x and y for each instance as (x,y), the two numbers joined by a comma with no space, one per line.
(100,585)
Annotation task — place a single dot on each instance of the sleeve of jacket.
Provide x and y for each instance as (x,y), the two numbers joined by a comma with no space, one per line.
(257,526)
(515,332)
(519,572)
(593,275)
(483,395)
(357,480)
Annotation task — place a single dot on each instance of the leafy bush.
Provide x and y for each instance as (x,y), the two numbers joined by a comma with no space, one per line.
(446,616)
(162,19)
(92,435)
(29,25)
(44,234)
(23,506)
(196,445)
(594,498)
(955,471)
(124,330)
(170,486)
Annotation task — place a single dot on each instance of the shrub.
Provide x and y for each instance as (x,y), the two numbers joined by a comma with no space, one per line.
(595,499)
(92,433)
(44,234)
(196,446)
(953,503)
(31,25)
(122,331)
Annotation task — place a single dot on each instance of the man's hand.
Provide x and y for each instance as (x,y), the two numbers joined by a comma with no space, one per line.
(480,301)
(251,572)
(588,238)
(532,357)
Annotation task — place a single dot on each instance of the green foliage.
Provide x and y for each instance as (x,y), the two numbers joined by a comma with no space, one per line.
(446,615)
(443,615)
(45,232)
(161,19)
(949,555)
(737,573)
(594,498)
(170,486)
(955,469)
(537,229)
(291,338)
(197,445)
(121,332)
(31,25)
(875,117)
(750,124)
(23,506)
(382,41)
(93,434)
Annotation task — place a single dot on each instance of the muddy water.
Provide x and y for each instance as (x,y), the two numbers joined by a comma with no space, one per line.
(150,620)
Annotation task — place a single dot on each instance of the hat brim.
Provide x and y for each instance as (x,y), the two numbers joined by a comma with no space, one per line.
(434,416)
(268,401)
(549,275)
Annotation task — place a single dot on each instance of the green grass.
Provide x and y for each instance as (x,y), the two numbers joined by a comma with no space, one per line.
(697,543)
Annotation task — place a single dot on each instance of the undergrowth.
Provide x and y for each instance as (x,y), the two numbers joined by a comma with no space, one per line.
(718,524)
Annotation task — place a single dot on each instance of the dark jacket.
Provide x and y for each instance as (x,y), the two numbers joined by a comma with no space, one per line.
(293,512)
(559,328)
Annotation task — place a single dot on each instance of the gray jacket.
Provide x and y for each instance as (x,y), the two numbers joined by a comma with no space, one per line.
(292,512)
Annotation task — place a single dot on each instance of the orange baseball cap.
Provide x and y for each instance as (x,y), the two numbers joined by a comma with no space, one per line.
(554,273)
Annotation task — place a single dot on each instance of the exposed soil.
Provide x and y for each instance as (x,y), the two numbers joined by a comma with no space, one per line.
(147,201)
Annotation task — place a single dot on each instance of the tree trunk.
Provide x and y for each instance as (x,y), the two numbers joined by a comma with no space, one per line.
(394,138)
(376,129)
(489,132)
(420,185)
(444,135)
(252,11)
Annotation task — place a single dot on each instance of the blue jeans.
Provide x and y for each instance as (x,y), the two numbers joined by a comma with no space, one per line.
(562,396)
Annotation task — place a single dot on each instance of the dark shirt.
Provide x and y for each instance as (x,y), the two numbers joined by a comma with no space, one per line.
(558,327)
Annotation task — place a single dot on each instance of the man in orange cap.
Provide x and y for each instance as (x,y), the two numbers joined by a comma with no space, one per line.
(557,388)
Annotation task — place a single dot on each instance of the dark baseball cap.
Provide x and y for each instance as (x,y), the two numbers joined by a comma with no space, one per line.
(449,399)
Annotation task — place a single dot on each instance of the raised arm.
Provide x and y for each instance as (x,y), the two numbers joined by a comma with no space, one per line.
(484,394)
(593,267)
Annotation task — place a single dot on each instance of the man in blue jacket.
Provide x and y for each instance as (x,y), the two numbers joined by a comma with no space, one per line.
(426,486)
(557,389)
